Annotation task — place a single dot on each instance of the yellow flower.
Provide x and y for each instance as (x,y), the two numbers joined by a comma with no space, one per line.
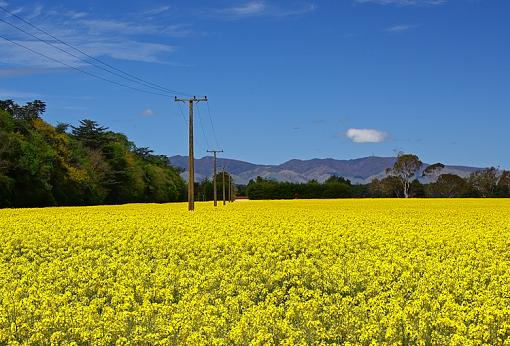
(344,272)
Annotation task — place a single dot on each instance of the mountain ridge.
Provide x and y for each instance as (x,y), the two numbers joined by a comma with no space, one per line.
(359,171)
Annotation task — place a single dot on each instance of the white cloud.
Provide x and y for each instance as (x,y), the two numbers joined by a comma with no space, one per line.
(260,8)
(404,2)
(108,27)
(157,10)
(298,10)
(176,30)
(128,50)
(400,28)
(96,36)
(14,55)
(248,9)
(366,135)
(148,112)
(70,14)
(76,15)
(103,26)
(36,12)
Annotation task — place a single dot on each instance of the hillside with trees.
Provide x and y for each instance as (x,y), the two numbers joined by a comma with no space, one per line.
(401,182)
(86,164)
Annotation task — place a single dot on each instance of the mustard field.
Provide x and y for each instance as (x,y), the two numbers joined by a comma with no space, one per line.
(345,272)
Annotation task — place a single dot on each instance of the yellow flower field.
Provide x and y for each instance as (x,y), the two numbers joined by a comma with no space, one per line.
(345,272)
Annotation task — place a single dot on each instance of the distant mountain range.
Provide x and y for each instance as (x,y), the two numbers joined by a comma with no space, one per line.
(358,171)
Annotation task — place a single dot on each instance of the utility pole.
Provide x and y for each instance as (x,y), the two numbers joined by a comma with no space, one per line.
(233,192)
(214,174)
(230,188)
(191,158)
(223,185)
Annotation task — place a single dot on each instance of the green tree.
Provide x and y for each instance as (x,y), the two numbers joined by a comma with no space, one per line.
(405,168)
(90,134)
(484,182)
(433,171)
(503,188)
(42,165)
(334,187)
(448,186)
(337,187)
(31,111)
(388,187)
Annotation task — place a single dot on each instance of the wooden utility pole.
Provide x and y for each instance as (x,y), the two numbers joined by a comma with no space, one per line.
(214,174)
(191,158)
(230,188)
(223,183)
(232,191)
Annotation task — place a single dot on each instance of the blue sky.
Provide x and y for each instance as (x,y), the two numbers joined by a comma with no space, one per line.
(285,79)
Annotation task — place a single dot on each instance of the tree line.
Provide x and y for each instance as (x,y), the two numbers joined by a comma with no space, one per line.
(333,187)
(401,181)
(87,164)
(204,189)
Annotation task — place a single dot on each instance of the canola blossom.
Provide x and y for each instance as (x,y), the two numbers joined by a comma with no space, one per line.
(344,272)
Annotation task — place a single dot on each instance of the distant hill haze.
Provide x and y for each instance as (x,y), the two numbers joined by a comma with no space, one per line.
(358,171)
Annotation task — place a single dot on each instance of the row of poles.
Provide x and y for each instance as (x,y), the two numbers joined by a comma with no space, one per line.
(191,158)
(228,196)
(105,67)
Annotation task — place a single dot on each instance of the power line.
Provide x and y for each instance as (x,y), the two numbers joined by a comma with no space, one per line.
(87,55)
(121,73)
(181,112)
(212,125)
(80,70)
(202,126)
(70,54)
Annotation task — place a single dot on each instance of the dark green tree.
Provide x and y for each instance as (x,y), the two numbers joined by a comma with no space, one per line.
(503,188)
(448,186)
(90,134)
(31,111)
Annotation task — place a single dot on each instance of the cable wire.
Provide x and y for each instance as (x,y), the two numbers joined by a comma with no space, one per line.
(131,78)
(202,126)
(181,112)
(70,54)
(80,70)
(212,125)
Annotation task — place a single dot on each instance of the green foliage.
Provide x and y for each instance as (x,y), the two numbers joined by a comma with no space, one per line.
(45,165)
(388,187)
(42,165)
(405,168)
(503,187)
(484,182)
(433,171)
(31,111)
(204,190)
(334,187)
(448,186)
(90,134)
